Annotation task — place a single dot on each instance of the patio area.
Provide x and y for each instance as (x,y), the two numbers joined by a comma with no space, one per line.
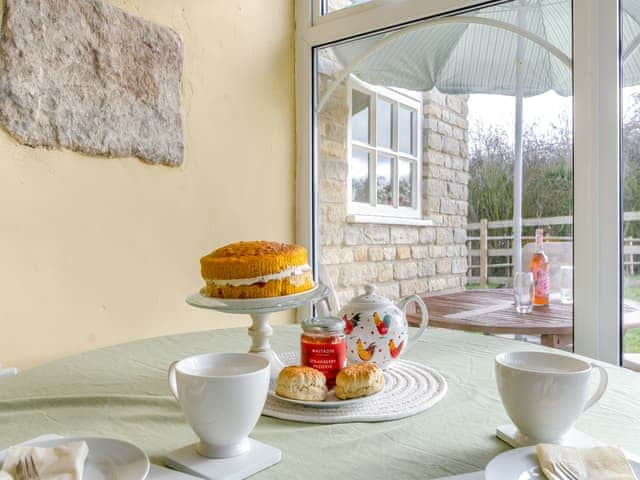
(486,304)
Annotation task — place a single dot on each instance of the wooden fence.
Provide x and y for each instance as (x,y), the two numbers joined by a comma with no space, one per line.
(489,246)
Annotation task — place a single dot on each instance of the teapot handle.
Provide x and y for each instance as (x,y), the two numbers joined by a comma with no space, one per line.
(403,304)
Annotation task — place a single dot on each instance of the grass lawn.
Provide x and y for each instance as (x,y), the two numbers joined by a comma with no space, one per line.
(631,339)
(632,293)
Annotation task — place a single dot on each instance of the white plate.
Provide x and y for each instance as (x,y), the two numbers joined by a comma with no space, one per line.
(241,304)
(108,458)
(331,402)
(268,301)
(522,464)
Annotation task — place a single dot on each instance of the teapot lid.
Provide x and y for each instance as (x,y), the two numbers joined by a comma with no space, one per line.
(370,299)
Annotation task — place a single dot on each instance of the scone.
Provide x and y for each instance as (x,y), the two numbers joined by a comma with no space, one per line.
(302,383)
(256,270)
(359,380)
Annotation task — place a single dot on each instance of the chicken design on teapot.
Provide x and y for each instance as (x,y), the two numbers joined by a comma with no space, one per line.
(377,330)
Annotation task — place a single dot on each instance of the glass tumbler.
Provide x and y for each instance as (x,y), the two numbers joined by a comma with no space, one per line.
(566,284)
(523,291)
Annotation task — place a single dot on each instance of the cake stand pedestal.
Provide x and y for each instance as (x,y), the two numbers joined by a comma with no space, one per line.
(260,310)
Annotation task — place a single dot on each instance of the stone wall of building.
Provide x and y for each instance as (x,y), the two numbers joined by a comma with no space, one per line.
(399,259)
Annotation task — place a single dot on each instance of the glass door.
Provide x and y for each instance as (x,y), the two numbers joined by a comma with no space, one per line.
(444,168)
(630,248)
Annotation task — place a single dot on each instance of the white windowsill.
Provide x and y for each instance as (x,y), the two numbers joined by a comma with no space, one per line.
(382,220)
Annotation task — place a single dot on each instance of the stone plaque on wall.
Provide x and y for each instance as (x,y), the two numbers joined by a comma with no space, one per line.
(84,75)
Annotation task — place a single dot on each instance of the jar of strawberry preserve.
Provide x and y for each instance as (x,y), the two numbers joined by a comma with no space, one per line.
(323,346)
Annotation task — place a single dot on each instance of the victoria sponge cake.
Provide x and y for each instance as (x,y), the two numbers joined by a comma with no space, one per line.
(256,270)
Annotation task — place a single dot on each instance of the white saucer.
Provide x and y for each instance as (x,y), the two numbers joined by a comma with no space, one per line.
(331,402)
(259,457)
(522,464)
(108,458)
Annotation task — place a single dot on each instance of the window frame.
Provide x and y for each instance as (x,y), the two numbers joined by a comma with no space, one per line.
(597,181)
(397,98)
(321,12)
(596,100)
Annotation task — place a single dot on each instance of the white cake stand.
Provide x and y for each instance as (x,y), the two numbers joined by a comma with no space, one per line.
(259,309)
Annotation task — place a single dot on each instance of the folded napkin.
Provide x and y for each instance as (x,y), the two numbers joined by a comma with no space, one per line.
(606,463)
(64,462)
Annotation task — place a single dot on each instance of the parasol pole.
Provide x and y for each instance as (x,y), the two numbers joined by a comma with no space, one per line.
(518,160)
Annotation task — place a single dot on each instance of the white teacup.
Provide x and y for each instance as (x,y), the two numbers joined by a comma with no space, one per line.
(222,396)
(544,394)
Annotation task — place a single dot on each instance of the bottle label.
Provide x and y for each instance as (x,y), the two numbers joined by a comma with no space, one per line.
(542,281)
(329,358)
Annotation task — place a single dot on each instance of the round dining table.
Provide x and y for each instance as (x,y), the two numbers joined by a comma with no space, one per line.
(121,391)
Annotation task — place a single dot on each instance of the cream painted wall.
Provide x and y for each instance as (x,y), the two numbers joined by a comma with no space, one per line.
(97,251)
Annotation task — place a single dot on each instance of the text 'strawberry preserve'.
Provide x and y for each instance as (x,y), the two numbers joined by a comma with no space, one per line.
(323,346)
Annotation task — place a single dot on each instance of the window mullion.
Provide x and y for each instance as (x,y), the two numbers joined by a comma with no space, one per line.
(373,114)
(395,181)
(395,166)
(350,142)
(596,179)
(373,179)
(394,126)
(318,9)
(373,125)
(414,133)
(415,182)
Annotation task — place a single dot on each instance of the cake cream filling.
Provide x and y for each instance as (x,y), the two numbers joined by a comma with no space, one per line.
(238,282)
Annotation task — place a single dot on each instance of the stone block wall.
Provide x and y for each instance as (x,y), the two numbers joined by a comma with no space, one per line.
(399,259)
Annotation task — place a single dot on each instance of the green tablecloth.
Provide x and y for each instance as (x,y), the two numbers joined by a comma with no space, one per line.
(122,392)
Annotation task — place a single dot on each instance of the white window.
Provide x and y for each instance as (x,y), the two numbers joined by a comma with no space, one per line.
(330,6)
(385,151)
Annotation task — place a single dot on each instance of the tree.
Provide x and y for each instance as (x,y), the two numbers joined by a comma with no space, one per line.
(490,181)
(547,172)
(631,165)
(547,175)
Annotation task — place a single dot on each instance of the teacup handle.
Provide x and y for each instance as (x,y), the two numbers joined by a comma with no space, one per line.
(604,380)
(173,386)
(403,304)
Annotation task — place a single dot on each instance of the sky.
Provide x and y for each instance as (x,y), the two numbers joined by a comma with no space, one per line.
(541,110)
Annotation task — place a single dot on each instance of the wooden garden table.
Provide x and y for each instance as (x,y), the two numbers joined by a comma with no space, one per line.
(493,312)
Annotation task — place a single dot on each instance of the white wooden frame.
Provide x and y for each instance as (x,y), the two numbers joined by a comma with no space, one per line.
(597,219)
(397,99)
(596,144)
(319,17)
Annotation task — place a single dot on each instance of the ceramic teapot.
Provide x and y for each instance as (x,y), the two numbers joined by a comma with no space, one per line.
(377,330)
